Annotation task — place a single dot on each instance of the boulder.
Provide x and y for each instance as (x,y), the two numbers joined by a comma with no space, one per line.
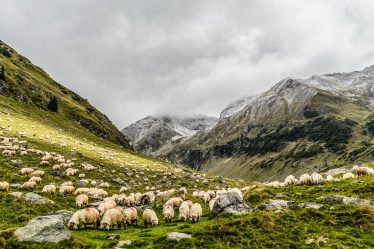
(177,236)
(231,203)
(274,204)
(44,229)
(119,181)
(113,237)
(123,243)
(65,214)
(37,199)
(83,183)
(310,205)
(348,200)
(16,194)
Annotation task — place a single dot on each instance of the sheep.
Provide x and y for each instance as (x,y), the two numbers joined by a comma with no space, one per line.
(211,203)
(23,153)
(104,185)
(112,217)
(206,197)
(150,218)
(174,202)
(68,183)
(97,193)
(81,175)
(131,215)
(184,211)
(44,163)
(81,200)
(121,199)
(305,179)
(66,190)
(36,179)
(28,185)
(79,191)
(39,173)
(4,186)
(361,171)
(26,171)
(47,157)
(348,175)
(147,198)
(104,206)
(71,172)
(122,190)
(195,193)
(56,167)
(168,212)
(290,180)
(195,212)
(130,200)
(329,178)
(84,217)
(49,189)
(316,178)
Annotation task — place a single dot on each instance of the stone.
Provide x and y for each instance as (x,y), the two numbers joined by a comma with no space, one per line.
(123,243)
(119,181)
(230,203)
(37,199)
(113,236)
(177,236)
(44,229)
(274,204)
(310,205)
(83,183)
(348,200)
(65,214)
(16,194)
(15,185)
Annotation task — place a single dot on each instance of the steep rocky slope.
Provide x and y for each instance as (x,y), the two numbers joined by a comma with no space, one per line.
(298,125)
(31,86)
(152,134)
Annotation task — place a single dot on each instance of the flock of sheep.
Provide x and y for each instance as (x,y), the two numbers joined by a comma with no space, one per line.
(120,209)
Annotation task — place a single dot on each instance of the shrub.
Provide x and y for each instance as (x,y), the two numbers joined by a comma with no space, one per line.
(53,104)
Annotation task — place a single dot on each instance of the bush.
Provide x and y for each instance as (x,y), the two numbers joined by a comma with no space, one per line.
(53,104)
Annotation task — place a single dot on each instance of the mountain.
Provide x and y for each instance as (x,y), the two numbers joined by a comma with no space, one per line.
(297,125)
(152,134)
(236,106)
(28,84)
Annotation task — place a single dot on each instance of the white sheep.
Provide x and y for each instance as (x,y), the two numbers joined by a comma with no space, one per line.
(305,179)
(195,212)
(290,180)
(26,171)
(122,190)
(112,217)
(81,200)
(211,203)
(79,191)
(348,175)
(56,167)
(4,186)
(36,179)
(44,163)
(39,173)
(104,206)
(150,218)
(130,200)
(104,185)
(168,212)
(329,178)
(131,215)
(86,216)
(28,185)
(68,183)
(97,193)
(49,189)
(184,211)
(66,190)
(174,202)
(316,178)
(93,183)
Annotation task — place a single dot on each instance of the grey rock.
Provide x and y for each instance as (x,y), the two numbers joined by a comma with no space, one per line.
(83,183)
(44,229)
(274,204)
(65,214)
(123,243)
(16,194)
(348,200)
(177,236)
(36,199)
(310,205)
(15,185)
(230,202)
(119,181)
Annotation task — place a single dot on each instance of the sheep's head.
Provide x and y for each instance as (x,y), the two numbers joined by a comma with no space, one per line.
(73,225)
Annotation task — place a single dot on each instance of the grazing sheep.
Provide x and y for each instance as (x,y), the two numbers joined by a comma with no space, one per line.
(97,193)
(23,153)
(348,175)
(195,212)
(174,202)
(36,179)
(131,215)
(81,200)
(147,198)
(168,212)
(4,186)
(68,183)
(49,189)
(122,190)
(112,217)
(184,211)
(28,185)
(130,200)
(39,173)
(93,183)
(104,206)
(211,203)
(71,172)
(81,175)
(150,218)
(290,180)
(66,190)
(56,167)
(121,199)
(316,178)
(104,185)
(44,163)
(329,178)
(86,216)
(361,171)
(305,179)
(26,171)
(79,191)
(195,193)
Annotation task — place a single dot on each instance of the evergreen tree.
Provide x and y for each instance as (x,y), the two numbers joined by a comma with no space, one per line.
(53,104)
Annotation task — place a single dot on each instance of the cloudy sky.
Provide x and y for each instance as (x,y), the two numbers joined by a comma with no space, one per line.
(135,58)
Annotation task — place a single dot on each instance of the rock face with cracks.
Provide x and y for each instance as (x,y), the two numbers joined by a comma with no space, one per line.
(230,203)
(44,229)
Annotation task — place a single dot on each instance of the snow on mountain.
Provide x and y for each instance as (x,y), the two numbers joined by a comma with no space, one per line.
(236,106)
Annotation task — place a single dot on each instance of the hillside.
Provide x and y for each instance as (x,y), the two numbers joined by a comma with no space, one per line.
(32,137)
(296,126)
(31,86)
(152,135)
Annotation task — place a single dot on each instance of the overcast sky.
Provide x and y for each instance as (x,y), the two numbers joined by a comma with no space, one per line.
(135,58)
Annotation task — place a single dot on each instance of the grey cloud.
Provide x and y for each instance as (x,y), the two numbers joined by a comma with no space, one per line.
(135,58)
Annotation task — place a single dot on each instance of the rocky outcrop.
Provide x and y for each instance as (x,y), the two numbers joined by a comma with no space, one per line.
(230,203)
(44,229)
(36,199)
(341,199)
(177,236)
(283,204)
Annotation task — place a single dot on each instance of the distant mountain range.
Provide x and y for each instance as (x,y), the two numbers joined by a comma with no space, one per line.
(298,125)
